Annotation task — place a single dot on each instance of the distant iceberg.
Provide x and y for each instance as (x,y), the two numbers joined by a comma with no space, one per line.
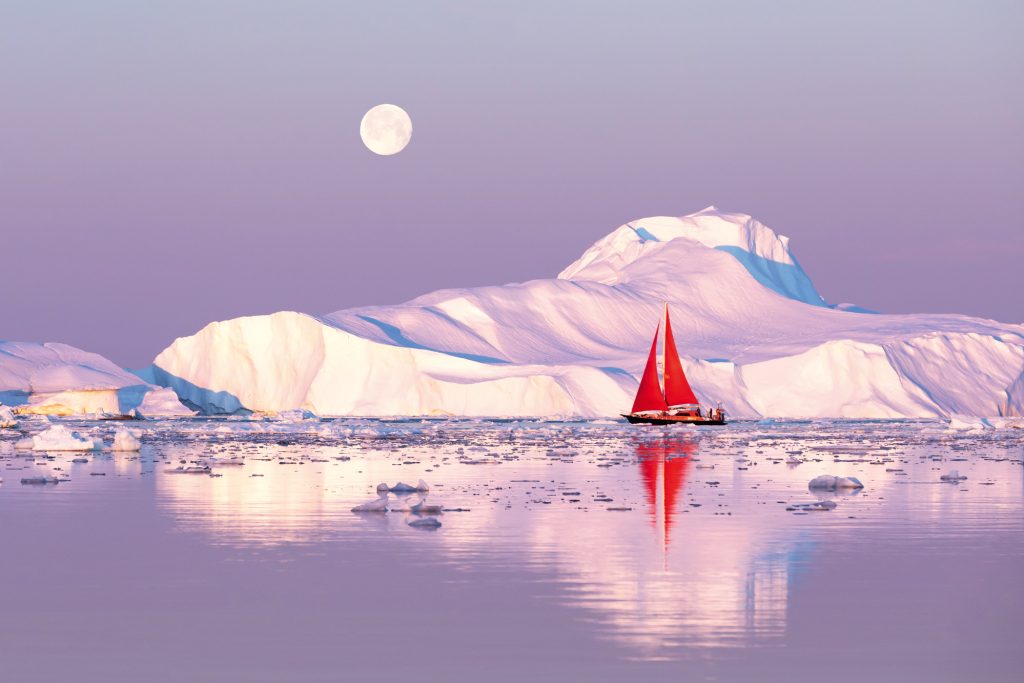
(57,379)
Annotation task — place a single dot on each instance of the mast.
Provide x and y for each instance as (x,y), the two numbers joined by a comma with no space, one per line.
(677,388)
(648,395)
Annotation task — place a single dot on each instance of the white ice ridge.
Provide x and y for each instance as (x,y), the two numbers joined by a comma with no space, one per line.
(753,333)
(57,379)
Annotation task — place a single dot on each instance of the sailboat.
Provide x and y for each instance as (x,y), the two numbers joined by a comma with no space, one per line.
(677,403)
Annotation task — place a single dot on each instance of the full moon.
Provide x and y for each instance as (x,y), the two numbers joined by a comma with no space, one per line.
(386,129)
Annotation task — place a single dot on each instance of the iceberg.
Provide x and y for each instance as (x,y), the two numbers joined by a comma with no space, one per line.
(57,379)
(754,333)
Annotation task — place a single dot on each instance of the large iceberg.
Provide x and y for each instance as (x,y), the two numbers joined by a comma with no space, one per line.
(57,379)
(754,333)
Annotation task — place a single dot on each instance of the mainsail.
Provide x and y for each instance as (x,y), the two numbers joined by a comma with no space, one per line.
(649,396)
(677,389)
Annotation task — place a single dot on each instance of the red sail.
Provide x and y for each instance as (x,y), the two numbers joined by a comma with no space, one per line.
(677,389)
(649,396)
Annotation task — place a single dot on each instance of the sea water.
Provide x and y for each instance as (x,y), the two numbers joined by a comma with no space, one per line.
(588,550)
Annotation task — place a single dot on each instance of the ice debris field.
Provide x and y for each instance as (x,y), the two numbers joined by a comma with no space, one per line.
(659,542)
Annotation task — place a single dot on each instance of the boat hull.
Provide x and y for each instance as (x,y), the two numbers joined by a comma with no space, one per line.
(671,420)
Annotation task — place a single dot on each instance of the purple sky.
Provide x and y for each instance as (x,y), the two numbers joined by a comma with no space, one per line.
(163,165)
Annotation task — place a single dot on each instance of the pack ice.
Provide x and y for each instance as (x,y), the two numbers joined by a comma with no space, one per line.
(57,379)
(753,331)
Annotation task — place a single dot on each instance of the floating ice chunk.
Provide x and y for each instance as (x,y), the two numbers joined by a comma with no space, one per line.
(827,482)
(383,488)
(60,438)
(127,440)
(400,505)
(425,522)
(953,477)
(40,480)
(424,508)
(817,506)
(195,469)
(402,487)
(378,505)
(23,444)
(7,420)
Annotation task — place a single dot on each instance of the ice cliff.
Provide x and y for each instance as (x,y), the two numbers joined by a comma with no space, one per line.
(753,331)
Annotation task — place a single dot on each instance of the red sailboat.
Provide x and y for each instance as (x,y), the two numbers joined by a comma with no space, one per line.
(677,403)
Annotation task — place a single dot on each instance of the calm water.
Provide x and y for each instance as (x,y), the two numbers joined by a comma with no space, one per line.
(585,551)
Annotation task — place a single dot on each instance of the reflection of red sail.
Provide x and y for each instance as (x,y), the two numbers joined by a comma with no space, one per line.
(663,466)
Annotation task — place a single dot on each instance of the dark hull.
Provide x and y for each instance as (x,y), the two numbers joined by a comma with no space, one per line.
(671,420)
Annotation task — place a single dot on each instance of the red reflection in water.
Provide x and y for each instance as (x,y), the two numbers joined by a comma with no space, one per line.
(663,466)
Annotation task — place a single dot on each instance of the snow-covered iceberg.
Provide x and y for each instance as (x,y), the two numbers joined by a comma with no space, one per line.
(57,379)
(753,331)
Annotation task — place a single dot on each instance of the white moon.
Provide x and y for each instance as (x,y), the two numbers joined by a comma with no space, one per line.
(386,129)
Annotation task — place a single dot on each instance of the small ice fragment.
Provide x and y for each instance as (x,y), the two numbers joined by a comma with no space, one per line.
(953,476)
(127,440)
(376,505)
(7,418)
(382,487)
(422,508)
(422,486)
(80,460)
(426,522)
(817,506)
(197,469)
(40,480)
(827,482)
(402,487)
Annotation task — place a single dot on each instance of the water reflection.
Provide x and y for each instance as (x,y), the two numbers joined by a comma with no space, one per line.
(668,545)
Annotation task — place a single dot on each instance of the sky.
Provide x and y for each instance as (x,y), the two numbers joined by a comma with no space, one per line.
(167,164)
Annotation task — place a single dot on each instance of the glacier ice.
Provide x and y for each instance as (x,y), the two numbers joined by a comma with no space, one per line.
(754,334)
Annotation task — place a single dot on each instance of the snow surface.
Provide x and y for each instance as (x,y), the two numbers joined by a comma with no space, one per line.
(753,332)
(57,379)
